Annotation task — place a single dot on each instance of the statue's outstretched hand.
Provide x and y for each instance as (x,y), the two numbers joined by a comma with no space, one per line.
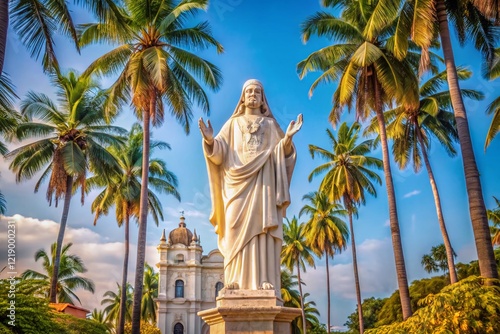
(294,126)
(207,132)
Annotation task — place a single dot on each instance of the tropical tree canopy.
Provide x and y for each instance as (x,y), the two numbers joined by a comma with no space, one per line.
(73,134)
(152,60)
(68,281)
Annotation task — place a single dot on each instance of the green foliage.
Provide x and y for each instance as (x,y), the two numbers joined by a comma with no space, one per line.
(74,325)
(469,306)
(317,329)
(494,218)
(391,311)
(371,308)
(468,269)
(146,328)
(33,314)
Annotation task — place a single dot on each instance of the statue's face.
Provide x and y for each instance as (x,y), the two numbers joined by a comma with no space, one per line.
(253,96)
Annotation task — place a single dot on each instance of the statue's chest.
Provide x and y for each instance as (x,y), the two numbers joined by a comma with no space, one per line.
(253,137)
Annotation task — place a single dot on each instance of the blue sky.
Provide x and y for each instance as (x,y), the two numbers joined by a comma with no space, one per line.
(262,40)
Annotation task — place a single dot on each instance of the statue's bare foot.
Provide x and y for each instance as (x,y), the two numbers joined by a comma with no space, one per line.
(266,286)
(232,286)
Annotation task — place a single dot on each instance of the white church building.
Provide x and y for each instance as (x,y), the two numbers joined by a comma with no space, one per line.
(189,281)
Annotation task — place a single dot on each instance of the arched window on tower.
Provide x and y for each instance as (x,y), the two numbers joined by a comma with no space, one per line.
(218,287)
(179,289)
(178,328)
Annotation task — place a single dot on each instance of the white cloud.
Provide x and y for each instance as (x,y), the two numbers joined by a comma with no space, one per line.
(103,259)
(411,193)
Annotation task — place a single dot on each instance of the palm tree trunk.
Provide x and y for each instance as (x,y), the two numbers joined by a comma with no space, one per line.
(404,293)
(437,201)
(60,239)
(4,26)
(143,220)
(123,298)
(301,298)
(328,292)
(356,276)
(477,209)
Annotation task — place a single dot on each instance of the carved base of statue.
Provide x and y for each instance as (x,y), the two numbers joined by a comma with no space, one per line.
(249,311)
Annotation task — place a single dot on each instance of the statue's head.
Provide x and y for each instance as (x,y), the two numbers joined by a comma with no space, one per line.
(252,96)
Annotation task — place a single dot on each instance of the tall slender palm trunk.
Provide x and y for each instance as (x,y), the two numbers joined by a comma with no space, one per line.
(437,201)
(404,293)
(356,276)
(4,26)
(60,239)
(123,297)
(143,220)
(482,237)
(301,297)
(328,292)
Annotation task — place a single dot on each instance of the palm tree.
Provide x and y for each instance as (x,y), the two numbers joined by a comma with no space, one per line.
(73,134)
(494,217)
(150,293)
(4,26)
(155,71)
(295,250)
(347,177)
(113,301)
(68,280)
(494,107)
(122,190)
(437,260)
(325,231)
(291,297)
(423,21)
(370,77)
(311,314)
(489,8)
(9,119)
(411,130)
(36,22)
(100,317)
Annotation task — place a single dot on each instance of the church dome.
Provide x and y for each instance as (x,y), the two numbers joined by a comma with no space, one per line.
(181,235)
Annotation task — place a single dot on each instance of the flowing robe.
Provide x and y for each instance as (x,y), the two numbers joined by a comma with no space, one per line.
(249,178)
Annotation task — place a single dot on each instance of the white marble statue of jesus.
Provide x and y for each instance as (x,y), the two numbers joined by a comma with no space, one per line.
(250,164)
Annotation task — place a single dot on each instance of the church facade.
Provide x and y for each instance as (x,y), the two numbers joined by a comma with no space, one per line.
(189,281)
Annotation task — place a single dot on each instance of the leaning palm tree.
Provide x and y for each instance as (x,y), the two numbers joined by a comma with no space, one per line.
(155,71)
(122,190)
(73,134)
(150,293)
(423,20)
(494,217)
(348,177)
(370,78)
(68,280)
(326,233)
(412,129)
(295,253)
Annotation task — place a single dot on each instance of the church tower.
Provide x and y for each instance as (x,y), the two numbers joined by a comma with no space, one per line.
(189,281)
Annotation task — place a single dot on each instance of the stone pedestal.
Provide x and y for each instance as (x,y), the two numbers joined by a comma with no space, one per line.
(249,312)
